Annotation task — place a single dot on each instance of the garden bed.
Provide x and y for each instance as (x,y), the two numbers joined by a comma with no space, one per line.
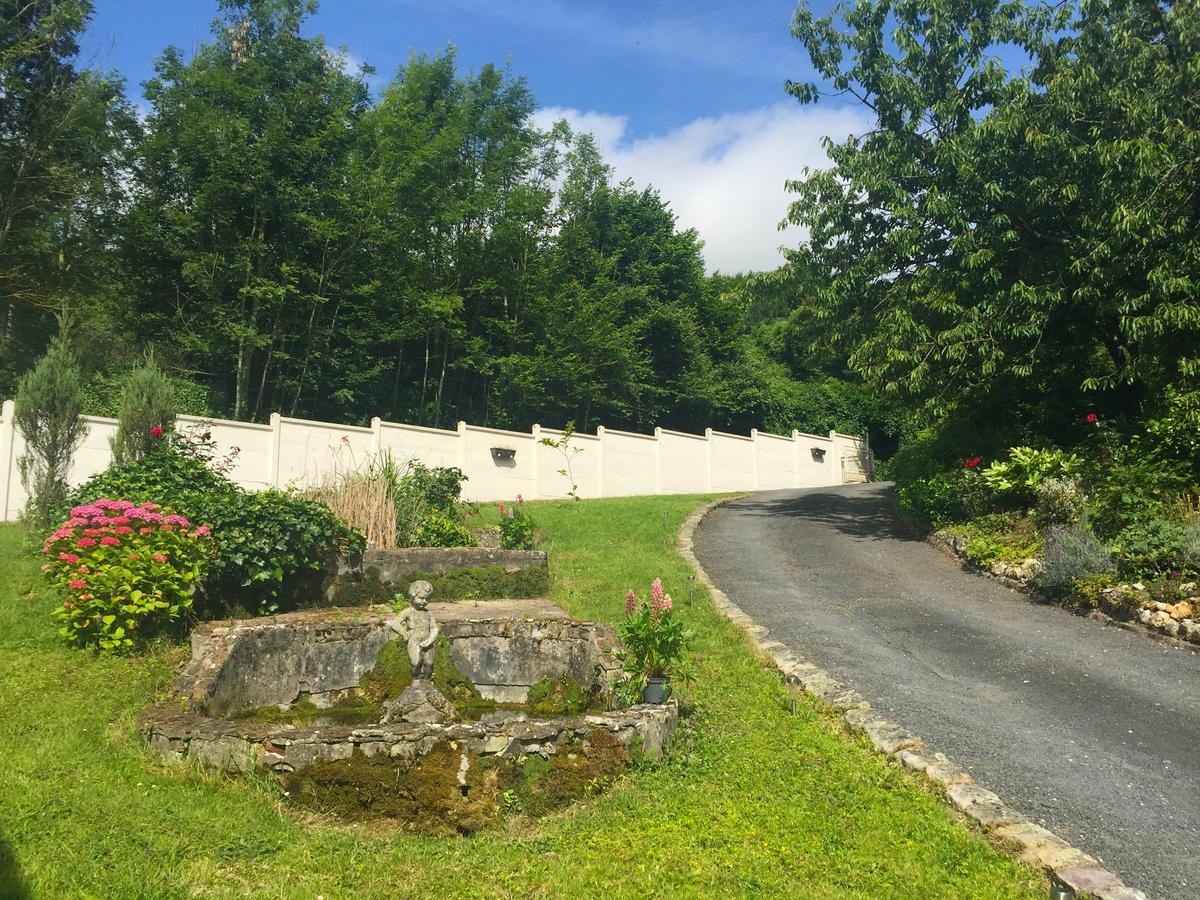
(1167,607)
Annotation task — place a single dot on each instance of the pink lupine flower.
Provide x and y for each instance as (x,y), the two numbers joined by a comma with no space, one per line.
(658,600)
(520,499)
(501,508)
(77,583)
(110,541)
(510,512)
(630,602)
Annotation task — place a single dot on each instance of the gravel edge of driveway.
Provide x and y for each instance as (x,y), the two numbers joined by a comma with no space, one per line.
(1067,867)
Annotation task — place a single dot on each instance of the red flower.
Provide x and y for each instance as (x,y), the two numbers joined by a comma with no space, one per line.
(1092,418)
(156,432)
(972,462)
(77,583)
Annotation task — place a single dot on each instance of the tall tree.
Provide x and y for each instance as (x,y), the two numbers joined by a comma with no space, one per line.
(242,234)
(64,134)
(1026,240)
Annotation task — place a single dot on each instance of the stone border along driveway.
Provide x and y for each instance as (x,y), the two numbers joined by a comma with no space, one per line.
(1066,866)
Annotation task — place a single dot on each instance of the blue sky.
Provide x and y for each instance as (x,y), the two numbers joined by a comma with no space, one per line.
(687,97)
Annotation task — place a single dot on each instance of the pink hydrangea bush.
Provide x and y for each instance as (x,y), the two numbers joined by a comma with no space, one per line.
(126,571)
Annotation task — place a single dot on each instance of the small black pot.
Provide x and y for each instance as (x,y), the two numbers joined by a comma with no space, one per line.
(656,691)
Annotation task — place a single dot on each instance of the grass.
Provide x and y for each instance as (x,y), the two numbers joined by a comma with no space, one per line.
(753,802)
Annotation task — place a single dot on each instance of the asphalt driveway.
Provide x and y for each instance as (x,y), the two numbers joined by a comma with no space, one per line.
(1090,730)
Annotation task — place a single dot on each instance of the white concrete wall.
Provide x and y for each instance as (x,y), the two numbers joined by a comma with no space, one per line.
(297,452)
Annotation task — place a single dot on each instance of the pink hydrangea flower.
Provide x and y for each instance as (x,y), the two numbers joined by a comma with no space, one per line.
(159,557)
(69,558)
(203,531)
(177,520)
(77,583)
(86,542)
(166,527)
(110,541)
(146,530)
(123,529)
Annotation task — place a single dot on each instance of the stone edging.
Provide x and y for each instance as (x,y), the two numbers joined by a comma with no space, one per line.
(1066,866)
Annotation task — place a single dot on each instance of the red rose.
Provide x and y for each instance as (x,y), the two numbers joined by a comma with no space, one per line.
(156,432)
(1092,418)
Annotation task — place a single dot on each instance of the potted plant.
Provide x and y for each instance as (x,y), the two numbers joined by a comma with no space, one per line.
(654,639)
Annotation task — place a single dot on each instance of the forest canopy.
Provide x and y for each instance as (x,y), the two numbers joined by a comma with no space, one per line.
(283,240)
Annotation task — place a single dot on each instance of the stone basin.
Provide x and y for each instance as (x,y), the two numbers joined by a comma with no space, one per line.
(503,646)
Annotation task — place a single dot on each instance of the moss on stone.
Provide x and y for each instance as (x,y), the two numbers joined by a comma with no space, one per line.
(538,786)
(427,795)
(562,696)
(488,582)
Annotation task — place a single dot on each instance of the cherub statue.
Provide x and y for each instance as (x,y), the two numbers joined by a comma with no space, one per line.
(418,627)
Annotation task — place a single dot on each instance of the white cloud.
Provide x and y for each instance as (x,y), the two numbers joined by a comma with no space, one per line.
(723,176)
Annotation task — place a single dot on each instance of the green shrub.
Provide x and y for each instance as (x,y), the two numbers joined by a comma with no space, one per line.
(1000,537)
(263,539)
(103,391)
(49,415)
(1090,590)
(422,493)
(942,499)
(1156,548)
(439,530)
(146,414)
(516,527)
(1128,484)
(1060,501)
(1072,552)
(1018,477)
(128,571)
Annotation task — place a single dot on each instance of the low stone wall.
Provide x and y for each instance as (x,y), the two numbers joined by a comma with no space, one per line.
(374,575)
(244,746)
(503,647)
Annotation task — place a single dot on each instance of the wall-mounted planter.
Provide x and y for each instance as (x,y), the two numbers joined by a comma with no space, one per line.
(503,454)
(818,454)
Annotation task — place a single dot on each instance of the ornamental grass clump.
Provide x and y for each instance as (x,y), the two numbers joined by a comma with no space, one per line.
(127,571)
(655,640)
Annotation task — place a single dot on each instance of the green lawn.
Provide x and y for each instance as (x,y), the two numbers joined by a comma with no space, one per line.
(753,802)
